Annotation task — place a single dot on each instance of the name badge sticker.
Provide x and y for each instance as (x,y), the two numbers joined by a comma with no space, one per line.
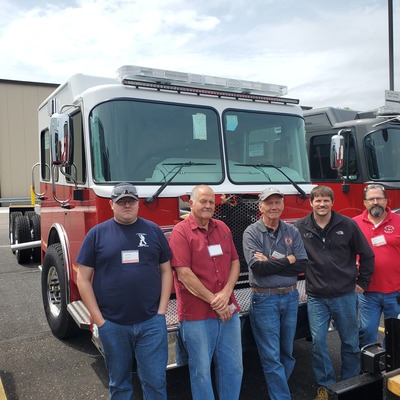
(129,256)
(378,241)
(277,256)
(215,250)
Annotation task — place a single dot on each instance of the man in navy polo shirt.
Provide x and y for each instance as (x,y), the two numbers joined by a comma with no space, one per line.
(125,281)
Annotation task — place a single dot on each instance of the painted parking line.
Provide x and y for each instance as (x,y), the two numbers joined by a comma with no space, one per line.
(2,392)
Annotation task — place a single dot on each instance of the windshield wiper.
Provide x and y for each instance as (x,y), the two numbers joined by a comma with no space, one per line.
(303,194)
(166,183)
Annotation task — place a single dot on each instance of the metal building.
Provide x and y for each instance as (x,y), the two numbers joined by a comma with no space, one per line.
(19,139)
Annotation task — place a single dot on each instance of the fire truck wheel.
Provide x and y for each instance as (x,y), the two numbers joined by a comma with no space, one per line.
(54,293)
(29,213)
(11,227)
(34,221)
(22,234)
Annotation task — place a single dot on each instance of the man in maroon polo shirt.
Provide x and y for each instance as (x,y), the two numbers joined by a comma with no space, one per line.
(206,269)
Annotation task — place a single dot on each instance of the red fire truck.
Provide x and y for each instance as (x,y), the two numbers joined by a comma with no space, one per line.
(164,131)
(349,149)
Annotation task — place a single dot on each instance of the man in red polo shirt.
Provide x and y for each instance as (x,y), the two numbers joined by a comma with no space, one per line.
(381,227)
(206,269)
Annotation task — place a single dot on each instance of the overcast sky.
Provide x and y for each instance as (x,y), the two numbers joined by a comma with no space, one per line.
(328,52)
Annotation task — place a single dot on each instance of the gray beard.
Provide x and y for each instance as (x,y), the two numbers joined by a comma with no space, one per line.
(376,211)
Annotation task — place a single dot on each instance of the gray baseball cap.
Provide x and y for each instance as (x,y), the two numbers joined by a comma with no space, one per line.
(122,190)
(269,192)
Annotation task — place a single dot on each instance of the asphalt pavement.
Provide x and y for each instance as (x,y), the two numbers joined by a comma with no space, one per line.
(33,363)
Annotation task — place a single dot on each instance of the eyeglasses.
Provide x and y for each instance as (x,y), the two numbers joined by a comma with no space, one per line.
(129,201)
(378,199)
(374,186)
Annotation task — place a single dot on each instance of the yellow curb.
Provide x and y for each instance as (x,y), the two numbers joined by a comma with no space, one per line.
(2,392)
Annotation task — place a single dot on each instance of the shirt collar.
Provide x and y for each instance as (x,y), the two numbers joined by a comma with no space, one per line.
(194,225)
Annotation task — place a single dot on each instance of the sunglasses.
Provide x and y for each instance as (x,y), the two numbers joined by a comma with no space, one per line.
(373,186)
(124,190)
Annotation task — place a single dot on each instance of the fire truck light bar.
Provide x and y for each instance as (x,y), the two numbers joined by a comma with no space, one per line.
(136,73)
(209,92)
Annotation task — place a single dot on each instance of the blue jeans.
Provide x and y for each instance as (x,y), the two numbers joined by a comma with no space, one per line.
(372,305)
(213,340)
(273,321)
(343,310)
(147,342)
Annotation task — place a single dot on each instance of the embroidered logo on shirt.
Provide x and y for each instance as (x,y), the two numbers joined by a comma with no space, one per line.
(142,242)
(308,235)
(288,240)
(388,229)
(339,233)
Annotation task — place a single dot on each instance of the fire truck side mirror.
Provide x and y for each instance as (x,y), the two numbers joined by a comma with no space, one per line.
(337,146)
(61,140)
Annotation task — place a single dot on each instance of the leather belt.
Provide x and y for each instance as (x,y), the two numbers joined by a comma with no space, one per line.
(276,290)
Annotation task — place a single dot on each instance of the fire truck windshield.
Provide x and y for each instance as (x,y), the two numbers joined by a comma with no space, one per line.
(382,149)
(148,143)
(265,139)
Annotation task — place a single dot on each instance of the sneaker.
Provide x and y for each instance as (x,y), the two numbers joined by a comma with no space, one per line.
(322,393)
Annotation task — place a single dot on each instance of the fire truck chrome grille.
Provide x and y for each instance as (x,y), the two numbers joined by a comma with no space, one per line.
(238,213)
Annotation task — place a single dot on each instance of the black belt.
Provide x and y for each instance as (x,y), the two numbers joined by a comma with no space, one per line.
(276,290)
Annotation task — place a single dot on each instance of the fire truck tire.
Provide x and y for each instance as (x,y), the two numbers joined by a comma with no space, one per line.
(54,293)
(22,234)
(11,227)
(30,213)
(34,221)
